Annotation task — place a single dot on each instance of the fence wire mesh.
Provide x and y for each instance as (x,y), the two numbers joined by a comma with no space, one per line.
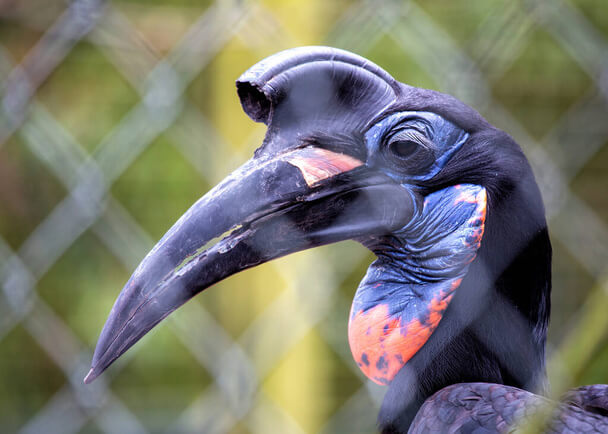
(116,116)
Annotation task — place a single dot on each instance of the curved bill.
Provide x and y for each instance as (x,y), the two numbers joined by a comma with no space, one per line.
(303,198)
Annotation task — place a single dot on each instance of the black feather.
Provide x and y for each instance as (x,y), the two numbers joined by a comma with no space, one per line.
(495,328)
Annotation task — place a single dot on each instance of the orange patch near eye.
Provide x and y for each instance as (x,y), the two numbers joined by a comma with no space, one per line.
(317,164)
(381,345)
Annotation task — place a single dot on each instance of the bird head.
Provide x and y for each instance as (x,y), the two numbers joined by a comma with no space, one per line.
(417,176)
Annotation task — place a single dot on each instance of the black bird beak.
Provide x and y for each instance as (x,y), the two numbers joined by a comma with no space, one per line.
(291,196)
(302,199)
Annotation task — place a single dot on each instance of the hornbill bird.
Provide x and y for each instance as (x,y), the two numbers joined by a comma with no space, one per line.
(452,315)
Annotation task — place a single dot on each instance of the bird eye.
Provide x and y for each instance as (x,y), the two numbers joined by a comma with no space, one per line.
(411,150)
(404,148)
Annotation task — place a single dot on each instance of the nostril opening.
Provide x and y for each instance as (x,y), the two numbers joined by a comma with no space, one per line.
(255,103)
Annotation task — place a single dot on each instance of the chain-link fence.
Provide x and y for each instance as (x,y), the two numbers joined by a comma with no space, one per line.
(116,116)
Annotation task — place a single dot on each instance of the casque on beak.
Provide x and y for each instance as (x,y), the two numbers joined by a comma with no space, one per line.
(293,195)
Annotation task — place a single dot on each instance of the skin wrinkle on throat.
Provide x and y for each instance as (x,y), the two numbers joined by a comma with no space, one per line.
(391,319)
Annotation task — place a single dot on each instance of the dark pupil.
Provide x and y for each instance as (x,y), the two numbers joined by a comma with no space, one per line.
(404,148)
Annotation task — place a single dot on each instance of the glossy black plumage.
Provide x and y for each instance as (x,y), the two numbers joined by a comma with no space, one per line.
(324,102)
(489,408)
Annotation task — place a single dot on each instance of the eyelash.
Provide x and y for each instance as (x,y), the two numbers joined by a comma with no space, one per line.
(409,149)
(405,137)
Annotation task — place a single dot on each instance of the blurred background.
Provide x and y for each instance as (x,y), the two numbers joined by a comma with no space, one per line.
(116,116)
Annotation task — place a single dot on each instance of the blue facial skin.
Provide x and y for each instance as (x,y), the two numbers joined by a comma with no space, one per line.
(445,138)
(421,261)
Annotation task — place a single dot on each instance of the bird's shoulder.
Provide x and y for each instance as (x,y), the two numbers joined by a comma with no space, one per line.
(592,398)
(489,408)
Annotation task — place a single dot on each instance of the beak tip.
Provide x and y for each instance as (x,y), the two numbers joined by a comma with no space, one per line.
(90,377)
